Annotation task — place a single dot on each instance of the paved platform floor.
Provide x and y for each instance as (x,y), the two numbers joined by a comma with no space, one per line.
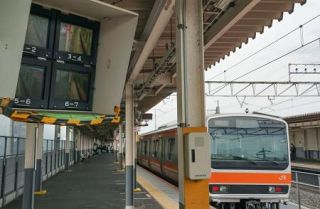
(309,165)
(95,183)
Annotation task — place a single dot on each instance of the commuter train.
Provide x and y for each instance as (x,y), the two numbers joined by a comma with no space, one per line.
(250,160)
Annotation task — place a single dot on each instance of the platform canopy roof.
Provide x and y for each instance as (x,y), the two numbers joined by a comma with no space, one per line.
(227,25)
(152,68)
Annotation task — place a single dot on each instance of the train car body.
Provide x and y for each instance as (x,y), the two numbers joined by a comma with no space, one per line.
(250,161)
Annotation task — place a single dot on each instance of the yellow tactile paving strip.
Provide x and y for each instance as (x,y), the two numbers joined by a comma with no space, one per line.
(166,194)
(162,198)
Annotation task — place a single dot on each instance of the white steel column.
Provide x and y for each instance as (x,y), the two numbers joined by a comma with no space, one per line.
(129,146)
(67,148)
(29,163)
(134,154)
(39,154)
(121,145)
(190,95)
(56,142)
(78,146)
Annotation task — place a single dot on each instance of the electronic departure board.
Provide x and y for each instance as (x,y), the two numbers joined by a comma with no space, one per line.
(59,60)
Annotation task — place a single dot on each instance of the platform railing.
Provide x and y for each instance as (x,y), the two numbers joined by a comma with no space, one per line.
(305,181)
(12,164)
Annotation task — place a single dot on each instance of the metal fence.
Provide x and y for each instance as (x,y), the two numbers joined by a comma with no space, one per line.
(305,182)
(12,164)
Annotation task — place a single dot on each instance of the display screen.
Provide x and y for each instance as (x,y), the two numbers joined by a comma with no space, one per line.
(71,86)
(75,39)
(31,80)
(37,32)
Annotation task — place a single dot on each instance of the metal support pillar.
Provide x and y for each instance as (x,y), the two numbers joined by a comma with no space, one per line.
(134,153)
(57,136)
(129,146)
(121,146)
(78,146)
(39,154)
(67,148)
(190,95)
(29,163)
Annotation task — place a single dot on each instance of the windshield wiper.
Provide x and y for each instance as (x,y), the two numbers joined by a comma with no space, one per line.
(236,157)
(272,161)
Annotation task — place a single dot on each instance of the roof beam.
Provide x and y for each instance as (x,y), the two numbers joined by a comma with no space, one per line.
(136,5)
(230,18)
(158,20)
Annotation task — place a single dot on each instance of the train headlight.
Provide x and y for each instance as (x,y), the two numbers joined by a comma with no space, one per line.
(276,189)
(272,189)
(223,189)
(219,188)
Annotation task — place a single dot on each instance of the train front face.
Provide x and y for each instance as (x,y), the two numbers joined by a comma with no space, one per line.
(249,159)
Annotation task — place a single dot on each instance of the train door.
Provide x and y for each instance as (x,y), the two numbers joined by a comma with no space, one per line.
(138,151)
(162,155)
(148,141)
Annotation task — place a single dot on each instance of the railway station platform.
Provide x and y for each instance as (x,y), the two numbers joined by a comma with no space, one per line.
(310,166)
(96,183)
(167,194)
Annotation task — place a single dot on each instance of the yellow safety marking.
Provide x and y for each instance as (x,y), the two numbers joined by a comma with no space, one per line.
(137,190)
(163,199)
(48,120)
(116,119)
(40,193)
(96,121)
(196,194)
(5,102)
(20,115)
(73,121)
(116,110)
(188,130)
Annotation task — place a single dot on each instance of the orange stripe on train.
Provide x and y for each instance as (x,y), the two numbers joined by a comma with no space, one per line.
(250,178)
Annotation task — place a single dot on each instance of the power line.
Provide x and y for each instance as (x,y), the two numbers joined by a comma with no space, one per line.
(265,47)
(269,62)
(307,103)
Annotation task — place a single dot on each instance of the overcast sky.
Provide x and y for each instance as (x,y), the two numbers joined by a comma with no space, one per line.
(276,71)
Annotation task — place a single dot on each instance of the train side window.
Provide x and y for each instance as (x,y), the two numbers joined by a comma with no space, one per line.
(153,148)
(145,144)
(156,144)
(171,144)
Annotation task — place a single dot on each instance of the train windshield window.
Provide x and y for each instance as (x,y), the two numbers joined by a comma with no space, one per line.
(249,139)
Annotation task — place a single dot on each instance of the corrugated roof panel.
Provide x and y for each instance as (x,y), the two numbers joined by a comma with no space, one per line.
(254,21)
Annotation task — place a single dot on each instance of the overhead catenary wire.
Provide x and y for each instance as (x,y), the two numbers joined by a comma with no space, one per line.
(295,106)
(284,101)
(267,63)
(265,47)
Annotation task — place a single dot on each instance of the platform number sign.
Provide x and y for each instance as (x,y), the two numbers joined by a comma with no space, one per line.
(69,104)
